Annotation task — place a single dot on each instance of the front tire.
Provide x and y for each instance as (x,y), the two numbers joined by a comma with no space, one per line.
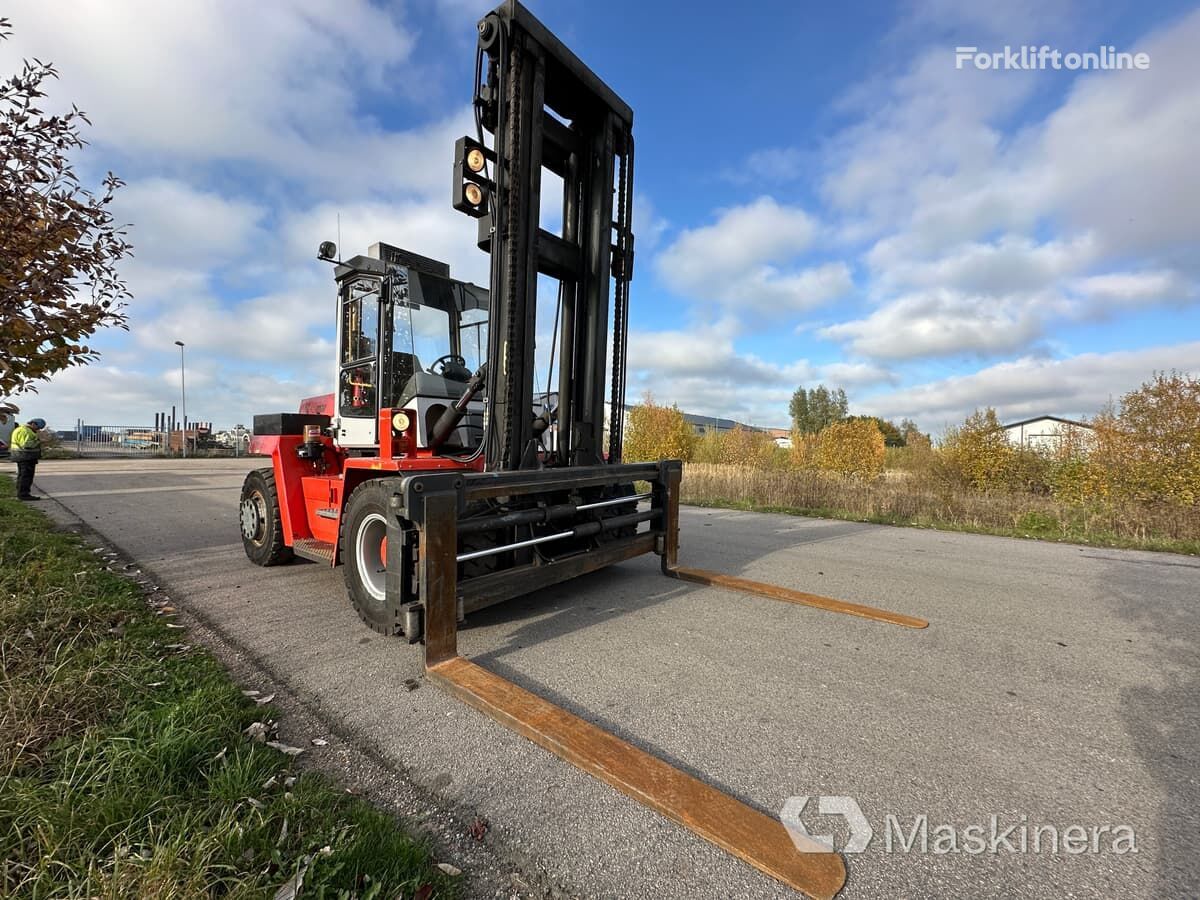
(262,529)
(364,557)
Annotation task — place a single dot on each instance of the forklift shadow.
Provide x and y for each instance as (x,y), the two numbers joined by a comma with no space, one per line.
(583,602)
(636,585)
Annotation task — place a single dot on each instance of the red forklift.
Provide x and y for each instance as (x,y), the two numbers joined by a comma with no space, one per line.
(435,476)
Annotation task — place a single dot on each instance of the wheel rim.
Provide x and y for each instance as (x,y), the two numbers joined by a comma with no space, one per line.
(254,518)
(368,555)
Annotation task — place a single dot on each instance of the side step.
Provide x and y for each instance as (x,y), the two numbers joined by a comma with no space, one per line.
(747,833)
(317,551)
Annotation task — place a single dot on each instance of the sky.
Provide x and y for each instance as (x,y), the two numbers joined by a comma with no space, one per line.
(824,194)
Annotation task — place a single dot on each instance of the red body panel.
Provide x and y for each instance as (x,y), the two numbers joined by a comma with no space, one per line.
(308,487)
(317,406)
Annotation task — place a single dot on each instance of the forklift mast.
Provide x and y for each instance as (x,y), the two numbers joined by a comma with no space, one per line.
(546,110)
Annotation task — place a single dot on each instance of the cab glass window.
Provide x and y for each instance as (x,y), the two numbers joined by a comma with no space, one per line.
(356,390)
(360,321)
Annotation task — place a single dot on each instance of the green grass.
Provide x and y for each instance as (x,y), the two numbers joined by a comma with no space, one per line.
(124,770)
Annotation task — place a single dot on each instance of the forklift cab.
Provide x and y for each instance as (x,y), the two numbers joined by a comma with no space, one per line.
(409,337)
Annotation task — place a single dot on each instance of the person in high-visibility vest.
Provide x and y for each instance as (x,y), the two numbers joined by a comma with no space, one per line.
(25,448)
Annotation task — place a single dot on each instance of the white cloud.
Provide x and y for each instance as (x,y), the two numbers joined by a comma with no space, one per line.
(855,374)
(429,227)
(1122,289)
(177,224)
(221,79)
(746,262)
(702,372)
(1010,264)
(931,173)
(1076,386)
(289,330)
(945,323)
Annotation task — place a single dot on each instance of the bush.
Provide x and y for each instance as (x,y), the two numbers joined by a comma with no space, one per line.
(708,448)
(978,451)
(739,447)
(658,432)
(1150,450)
(854,447)
(743,447)
(803,454)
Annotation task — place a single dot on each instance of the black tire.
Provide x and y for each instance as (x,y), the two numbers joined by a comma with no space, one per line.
(258,513)
(364,526)
(623,490)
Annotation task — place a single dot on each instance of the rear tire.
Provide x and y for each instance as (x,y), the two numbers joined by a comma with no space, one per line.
(364,527)
(262,529)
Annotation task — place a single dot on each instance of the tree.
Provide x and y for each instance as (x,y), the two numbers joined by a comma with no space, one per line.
(746,447)
(59,247)
(816,408)
(658,432)
(1150,450)
(853,447)
(911,434)
(979,451)
(892,436)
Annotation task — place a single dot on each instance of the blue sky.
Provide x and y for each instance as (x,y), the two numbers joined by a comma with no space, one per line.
(822,195)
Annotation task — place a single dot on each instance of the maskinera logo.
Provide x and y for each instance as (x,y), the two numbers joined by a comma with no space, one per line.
(846,807)
(917,835)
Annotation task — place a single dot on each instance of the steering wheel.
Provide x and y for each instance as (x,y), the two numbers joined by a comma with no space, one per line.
(452,366)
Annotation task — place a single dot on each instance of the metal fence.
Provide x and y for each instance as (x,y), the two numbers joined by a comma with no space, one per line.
(146,441)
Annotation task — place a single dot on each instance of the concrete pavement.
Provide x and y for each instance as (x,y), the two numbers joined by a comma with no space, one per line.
(1057,685)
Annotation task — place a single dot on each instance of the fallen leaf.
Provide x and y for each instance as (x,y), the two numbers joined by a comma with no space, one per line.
(479,827)
(424,892)
(290,888)
(452,871)
(256,731)
(320,742)
(264,700)
(285,748)
(250,693)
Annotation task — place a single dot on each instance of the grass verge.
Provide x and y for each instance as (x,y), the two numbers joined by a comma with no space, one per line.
(124,767)
(901,502)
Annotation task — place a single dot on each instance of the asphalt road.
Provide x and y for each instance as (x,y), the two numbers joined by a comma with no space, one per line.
(1056,685)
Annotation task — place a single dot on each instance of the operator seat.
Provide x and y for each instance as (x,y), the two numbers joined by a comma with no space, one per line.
(404,366)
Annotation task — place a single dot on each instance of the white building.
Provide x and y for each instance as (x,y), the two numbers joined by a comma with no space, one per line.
(1044,432)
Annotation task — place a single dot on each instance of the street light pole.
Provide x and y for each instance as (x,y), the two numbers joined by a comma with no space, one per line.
(182,399)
